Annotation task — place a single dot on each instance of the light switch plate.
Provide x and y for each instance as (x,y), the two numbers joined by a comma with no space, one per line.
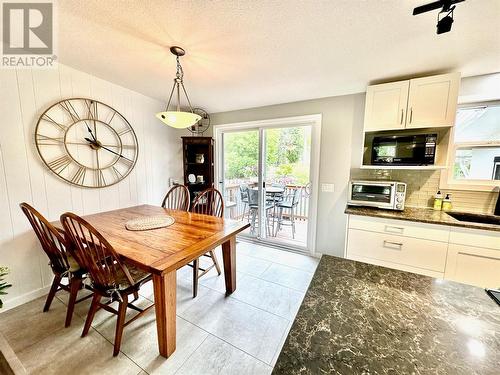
(327,188)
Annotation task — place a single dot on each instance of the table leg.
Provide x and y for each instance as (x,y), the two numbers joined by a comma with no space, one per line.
(165,305)
(229,259)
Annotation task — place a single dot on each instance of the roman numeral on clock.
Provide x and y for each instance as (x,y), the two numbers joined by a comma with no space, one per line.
(70,110)
(79,176)
(44,140)
(99,179)
(49,119)
(92,109)
(58,165)
(124,131)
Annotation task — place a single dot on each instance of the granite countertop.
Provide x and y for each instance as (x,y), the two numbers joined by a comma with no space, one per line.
(423,215)
(358,318)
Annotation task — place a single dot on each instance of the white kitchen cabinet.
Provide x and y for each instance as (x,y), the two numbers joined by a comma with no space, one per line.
(385,107)
(469,256)
(474,257)
(426,102)
(432,101)
(408,246)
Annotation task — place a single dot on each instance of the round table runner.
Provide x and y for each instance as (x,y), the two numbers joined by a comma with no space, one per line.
(150,222)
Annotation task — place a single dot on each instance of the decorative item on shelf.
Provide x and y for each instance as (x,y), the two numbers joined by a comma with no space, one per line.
(200,158)
(201,126)
(191,178)
(86,143)
(200,179)
(177,118)
(4,271)
(149,222)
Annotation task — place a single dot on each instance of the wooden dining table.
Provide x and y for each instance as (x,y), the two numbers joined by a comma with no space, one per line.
(162,251)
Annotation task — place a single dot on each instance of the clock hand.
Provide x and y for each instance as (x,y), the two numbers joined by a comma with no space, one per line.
(90,131)
(116,153)
(94,142)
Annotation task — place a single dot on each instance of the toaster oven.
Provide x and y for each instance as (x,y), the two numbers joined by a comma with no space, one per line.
(388,195)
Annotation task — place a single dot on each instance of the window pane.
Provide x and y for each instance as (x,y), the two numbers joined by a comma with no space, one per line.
(477,163)
(478,124)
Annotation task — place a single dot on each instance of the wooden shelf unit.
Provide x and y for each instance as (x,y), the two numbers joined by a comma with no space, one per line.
(191,146)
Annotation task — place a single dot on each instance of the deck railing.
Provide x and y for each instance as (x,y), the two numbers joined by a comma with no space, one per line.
(236,208)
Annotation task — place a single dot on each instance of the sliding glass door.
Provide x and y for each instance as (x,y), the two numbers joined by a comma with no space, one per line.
(265,172)
(240,177)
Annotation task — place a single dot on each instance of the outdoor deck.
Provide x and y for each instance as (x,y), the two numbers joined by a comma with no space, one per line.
(237,209)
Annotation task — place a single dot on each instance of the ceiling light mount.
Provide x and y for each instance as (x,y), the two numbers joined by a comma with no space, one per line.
(447,6)
(177,118)
(177,51)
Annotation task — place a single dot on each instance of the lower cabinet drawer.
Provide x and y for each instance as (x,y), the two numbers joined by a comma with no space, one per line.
(407,251)
(473,265)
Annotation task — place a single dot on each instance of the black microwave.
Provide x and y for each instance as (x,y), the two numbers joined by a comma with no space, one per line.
(417,149)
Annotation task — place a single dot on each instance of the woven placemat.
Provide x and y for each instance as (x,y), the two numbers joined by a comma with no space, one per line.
(150,222)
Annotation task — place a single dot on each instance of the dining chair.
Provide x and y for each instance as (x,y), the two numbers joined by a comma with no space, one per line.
(177,198)
(54,243)
(208,202)
(290,202)
(253,204)
(111,278)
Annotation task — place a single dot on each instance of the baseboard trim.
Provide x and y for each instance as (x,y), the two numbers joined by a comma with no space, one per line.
(24,298)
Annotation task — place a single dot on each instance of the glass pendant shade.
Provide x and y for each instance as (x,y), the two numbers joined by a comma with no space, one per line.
(178,119)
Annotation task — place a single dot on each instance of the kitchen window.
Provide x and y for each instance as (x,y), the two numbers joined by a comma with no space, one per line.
(474,152)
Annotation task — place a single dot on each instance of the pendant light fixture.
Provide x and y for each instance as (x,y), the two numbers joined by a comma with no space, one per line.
(177,118)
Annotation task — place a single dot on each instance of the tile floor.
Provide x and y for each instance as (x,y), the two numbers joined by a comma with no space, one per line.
(240,334)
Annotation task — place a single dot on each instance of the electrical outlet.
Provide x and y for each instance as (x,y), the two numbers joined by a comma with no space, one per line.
(327,188)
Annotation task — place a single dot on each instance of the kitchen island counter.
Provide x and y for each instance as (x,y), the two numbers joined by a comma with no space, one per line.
(359,318)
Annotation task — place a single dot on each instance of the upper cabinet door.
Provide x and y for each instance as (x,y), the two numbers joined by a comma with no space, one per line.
(433,101)
(385,107)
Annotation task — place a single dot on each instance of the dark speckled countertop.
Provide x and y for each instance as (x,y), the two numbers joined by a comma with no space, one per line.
(358,318)
(422,215)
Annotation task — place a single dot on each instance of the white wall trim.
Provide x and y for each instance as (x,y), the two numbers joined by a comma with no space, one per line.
(313,120)
(24,298)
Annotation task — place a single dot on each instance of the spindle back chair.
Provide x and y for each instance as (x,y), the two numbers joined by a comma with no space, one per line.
(209,202)
(62,263)
(177,198)
(111,278)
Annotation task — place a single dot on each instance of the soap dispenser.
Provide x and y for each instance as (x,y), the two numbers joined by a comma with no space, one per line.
(447,203)
(438,201)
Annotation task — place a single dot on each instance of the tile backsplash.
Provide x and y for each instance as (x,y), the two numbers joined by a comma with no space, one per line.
(423,185)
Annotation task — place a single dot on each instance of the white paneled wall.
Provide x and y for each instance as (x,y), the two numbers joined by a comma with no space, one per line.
(24,94)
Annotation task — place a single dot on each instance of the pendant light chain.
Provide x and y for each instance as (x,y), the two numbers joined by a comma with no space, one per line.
(178,82)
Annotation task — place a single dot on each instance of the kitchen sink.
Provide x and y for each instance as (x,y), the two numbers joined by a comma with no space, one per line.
(475,218)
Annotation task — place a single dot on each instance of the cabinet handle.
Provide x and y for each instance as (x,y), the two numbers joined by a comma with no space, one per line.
(411,114)
(398,244)
(401,121)
(392,229)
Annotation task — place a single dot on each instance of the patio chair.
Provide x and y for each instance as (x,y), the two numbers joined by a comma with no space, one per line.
(253,204)
(63,265)
(289,202)
(208,202)
(244,198)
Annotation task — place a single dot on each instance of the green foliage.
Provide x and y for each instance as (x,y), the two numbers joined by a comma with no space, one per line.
(285,149)
(4,271)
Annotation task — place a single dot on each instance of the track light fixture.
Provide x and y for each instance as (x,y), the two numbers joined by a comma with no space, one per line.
(447,7)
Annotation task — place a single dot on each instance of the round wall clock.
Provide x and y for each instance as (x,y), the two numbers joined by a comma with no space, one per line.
(86,142)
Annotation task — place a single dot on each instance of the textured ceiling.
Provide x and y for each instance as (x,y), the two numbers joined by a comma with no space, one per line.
(243,54)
